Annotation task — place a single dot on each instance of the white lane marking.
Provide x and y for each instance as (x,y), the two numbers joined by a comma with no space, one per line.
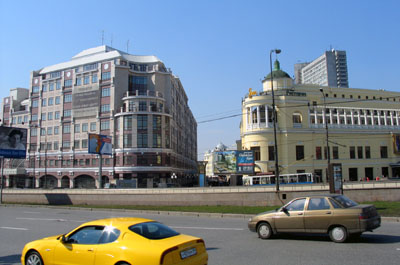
(13,228)
(207,228)
(31,212)
(41,219)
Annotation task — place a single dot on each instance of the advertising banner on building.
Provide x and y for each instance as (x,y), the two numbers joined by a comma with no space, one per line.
(13,142)
(396,143)
(245,162)
(100,144)
(233,162)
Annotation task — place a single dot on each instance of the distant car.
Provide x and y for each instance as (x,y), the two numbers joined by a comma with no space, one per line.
(117,241)
(333,214)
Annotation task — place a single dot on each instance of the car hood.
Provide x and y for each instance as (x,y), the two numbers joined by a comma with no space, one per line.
(267,212)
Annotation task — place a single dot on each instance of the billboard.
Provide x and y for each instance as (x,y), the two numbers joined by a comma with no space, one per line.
(100,144)
(245,162)
(233,162)
(13,142)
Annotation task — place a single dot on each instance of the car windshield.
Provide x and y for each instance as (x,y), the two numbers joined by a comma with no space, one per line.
(153,230)
(344,201)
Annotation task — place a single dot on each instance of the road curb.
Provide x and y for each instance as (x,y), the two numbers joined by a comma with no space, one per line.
(198,214)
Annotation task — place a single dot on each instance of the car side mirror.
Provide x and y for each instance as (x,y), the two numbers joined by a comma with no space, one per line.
(63,239)
(285,210)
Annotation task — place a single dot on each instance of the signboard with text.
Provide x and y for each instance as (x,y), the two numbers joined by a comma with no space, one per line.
(13,142)
(100,144)
(233,162)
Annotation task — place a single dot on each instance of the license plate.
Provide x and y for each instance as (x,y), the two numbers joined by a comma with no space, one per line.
(188,253)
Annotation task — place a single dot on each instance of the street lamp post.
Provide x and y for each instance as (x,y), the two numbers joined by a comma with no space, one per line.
(328,155)
(276,51)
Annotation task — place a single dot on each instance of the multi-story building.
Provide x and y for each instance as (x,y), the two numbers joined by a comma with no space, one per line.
(363,129)
(134,99)
(330,69)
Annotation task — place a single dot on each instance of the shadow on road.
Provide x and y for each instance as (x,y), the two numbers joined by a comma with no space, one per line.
(208,249)
(365,238)
(11,259)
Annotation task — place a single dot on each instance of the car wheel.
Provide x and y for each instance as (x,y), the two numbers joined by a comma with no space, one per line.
(34,258)
(338,234)
(264,231)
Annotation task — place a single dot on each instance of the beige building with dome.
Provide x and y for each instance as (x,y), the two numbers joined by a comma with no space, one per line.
(363,129)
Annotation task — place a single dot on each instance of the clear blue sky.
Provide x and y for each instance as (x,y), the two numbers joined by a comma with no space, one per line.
(219,49)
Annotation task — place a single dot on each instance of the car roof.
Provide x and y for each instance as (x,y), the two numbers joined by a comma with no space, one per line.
(118,221)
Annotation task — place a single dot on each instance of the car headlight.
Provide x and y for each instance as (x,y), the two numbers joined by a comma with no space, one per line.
(250,219)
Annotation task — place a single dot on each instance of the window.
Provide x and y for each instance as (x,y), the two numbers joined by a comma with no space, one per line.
(57,100)
(57,115)
(19,119)
(128,140)
(105,92)
(156,140)
(360,152)
(84,127)
(58,85)
(76,144)
(89,67)
(138,83)
(68,98)
(34,132)
(297,205)
(35,89)
(56,130)
(335,152)
(318,204)
(55,74)
(156,123)
(352,152)
(44,102)
(106,76)
(93,235)
(34,117)
(257,153)
(44,87)
(66,144)
(51,87)
(92,126)
(367,152)
(299,152)
(68,83)
(318,152)
(67,113)
(127,123)
(66,128)
(297,118)
(26,119)
(35,103)
(105,108)
(153,106)
(384,152)
(142,122)
(51,101)
(142,140)
(49,130)
(78,81)
(77,128)
(84,143)
(271,153)
(94,78)
(43,116)
(104,125)
(86,79)
(55,145)
(142,106)
(153,230)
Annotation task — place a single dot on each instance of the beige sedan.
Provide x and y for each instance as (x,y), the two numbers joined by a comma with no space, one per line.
(333,214)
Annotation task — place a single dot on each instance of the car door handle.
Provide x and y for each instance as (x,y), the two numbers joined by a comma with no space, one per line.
(300,214)
(90,250)
(328,212)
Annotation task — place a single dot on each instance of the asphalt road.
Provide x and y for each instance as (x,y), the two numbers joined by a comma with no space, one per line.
(228,240)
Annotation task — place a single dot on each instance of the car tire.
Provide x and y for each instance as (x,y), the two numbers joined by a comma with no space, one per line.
(338,234)
(264,230)
(33,258)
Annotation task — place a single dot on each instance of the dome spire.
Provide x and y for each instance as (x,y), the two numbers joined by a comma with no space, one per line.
(277,65)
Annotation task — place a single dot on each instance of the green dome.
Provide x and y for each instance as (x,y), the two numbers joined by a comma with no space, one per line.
(277,72)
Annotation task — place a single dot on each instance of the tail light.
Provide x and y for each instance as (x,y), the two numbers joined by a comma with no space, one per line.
(362,216)
(166,252)
(201,241)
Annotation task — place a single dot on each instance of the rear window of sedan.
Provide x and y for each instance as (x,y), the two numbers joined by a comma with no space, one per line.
(153,230)
(344,202)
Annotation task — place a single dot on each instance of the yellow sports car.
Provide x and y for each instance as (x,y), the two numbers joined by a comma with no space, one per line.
(117,241)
